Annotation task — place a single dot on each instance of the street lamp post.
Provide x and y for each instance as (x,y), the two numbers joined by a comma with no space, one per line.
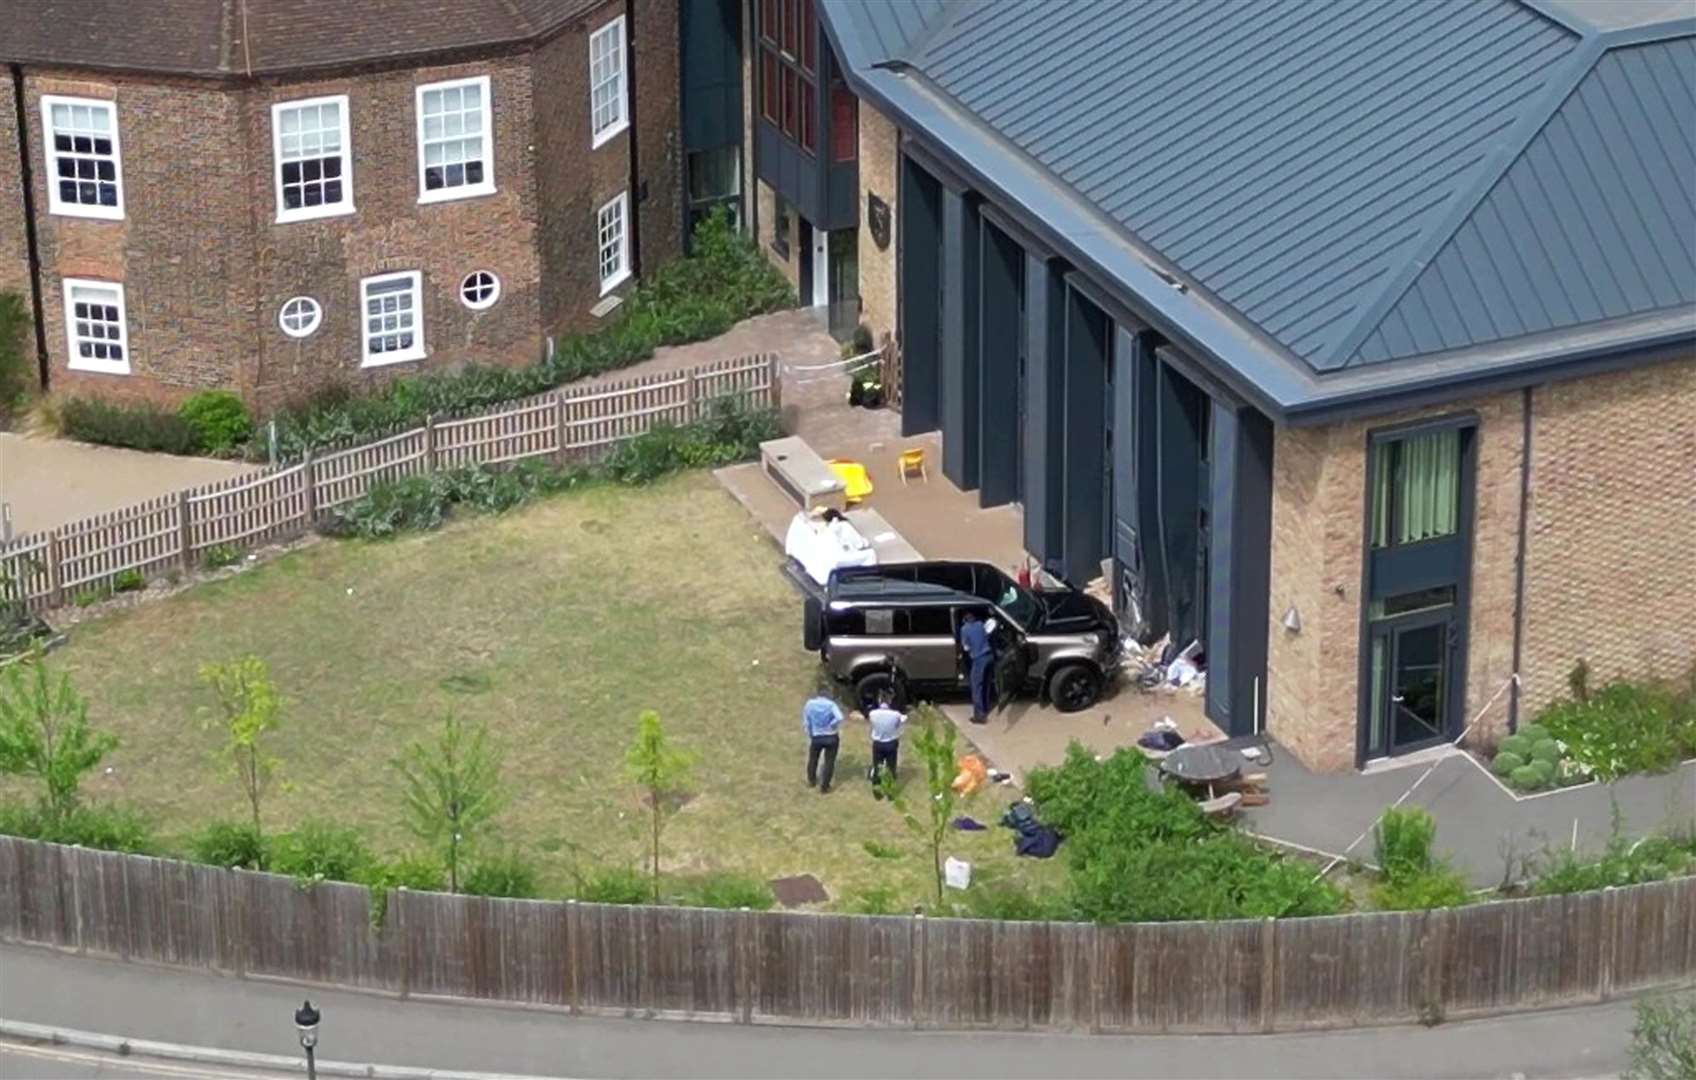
(306,1022)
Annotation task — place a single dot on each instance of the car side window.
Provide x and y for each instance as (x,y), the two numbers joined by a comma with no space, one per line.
(848,622)
(929,622)
(880,621)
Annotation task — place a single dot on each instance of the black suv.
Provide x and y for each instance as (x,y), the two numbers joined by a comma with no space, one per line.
(897,627)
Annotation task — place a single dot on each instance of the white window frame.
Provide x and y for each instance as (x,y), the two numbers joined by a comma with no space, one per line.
(310,328)
(488,301)
(54,204)
(464,191)
(73,358)
(308,213)
(367,358)
(615,29)
(620,202)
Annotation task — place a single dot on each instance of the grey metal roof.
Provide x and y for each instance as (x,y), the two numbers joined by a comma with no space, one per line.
(1595,220)
(1315,171)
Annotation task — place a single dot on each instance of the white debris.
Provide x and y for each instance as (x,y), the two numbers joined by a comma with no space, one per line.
(956,873)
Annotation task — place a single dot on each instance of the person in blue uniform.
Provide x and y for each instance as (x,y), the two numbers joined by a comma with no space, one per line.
(980,653)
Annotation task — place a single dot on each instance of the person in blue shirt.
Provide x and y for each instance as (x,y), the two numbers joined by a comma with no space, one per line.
(886,723)
(980,652)
(821,720)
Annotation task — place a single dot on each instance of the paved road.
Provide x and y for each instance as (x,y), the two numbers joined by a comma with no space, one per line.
(19,1061)
(207,1010)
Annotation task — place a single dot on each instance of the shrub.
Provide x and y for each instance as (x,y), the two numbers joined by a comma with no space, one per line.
(1547,751)
(1505,762)
(1527,778)
(128,581)
(1437,888)
(1403,840)
(615,885)
(410,504)
(1010,903)
(724,280)
(1622,728)
(1622,862)
(507,875)
(320,850)
(230,844)
(1138,854)
(874,900)
(418,872)
(219,420)
(1663,1040)
(139,427)
(1518,745)
(103,827)
(221,555)
(17,374)
(724,890)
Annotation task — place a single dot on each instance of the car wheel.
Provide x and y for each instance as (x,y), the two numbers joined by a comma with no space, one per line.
(870,685)
(1074,687)
(812,625)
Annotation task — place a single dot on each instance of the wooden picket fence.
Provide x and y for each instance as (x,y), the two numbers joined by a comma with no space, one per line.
(898,971)
(574,424)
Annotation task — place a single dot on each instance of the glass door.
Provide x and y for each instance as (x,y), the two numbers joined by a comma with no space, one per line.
(1410,685)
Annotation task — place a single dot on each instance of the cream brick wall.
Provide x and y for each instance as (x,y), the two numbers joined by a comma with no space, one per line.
(766,200)
(879,168)
(1610,563)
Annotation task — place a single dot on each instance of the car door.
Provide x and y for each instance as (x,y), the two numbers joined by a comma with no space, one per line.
(931,646)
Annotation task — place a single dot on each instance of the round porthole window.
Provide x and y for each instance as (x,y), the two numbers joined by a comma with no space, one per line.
(480,289)
(300,316)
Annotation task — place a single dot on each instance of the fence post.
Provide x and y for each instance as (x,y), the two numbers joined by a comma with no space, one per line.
(1436,942)
(691,407)
(917,944)
(1268,974)
(1095,972)
(745,966)
(55,573)
(404,940)
(1606,959)
(573,945)
(430,443)
(185,531)
(309,487)
(559,426)
(774,373)
(76,856)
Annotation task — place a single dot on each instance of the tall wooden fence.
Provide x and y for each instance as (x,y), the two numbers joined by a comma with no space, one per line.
(897,971)
(572,424)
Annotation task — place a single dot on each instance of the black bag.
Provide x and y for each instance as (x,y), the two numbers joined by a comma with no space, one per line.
(1020,817)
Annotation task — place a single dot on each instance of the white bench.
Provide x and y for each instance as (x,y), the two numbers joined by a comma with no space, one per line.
(891,546)
(802,474)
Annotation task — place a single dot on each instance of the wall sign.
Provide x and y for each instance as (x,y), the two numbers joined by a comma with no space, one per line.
(877,219)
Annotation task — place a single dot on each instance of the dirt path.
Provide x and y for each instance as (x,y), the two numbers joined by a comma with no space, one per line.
(48,482)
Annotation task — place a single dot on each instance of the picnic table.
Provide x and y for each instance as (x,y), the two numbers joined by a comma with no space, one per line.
(1202,765)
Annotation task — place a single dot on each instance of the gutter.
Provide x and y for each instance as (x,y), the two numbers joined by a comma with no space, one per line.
(32,241)
(1519,557)
(637,194)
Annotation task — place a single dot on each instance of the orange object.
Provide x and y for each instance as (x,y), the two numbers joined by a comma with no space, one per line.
(913,461)
(973,774)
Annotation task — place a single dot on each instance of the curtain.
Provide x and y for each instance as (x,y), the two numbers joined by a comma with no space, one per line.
(1381,494)
(1428,487)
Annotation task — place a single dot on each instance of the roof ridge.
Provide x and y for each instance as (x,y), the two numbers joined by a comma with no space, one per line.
(1461,205)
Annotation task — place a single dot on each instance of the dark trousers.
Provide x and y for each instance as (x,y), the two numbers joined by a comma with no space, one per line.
(982,680)
(822,746)
(884,753)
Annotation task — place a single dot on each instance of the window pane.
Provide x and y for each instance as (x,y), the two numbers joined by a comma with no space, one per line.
(789,96)
(809,36)
(809,117)
(844,123)
(768,20)
(83,148)
(1428,486)
(768,85)
(791,24)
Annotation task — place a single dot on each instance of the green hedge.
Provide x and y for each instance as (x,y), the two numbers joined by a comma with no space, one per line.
(210,422)
(724,280)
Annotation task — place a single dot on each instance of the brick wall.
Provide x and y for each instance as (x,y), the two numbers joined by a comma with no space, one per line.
(765,201)
(879,167)
(14,244)
(1609,571)
(183,251)
(1611,557)
(659,145)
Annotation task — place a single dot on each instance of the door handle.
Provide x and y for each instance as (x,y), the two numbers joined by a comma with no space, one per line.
(1397,698)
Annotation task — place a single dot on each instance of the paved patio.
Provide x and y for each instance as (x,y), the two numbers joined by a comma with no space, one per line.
(49,481)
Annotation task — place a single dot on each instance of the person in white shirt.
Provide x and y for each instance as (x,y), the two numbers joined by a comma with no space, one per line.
(887,723)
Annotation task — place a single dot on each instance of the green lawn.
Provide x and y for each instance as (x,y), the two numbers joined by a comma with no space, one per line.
(557,623)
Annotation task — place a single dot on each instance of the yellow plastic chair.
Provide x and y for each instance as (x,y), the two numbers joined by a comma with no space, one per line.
(857,484)
(913,461)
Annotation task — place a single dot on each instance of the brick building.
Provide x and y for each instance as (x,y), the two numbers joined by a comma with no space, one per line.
(1356,342)
(277,195)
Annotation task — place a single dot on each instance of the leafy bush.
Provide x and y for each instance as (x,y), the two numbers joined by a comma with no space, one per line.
(219,420)
(17,374)
(128,581)
(1528,778)
(230,844)
(221,555)
(1135,854)
(1505,762)
(731,432)
(138,426)
(1623,728)
(418,872)
(1437,888)
(615,885)
(501,875)
(101,827)
(1008,902)
(1622,862)
(724,890)
(722,281)
(1414,879)
(1663,1040)
(320,850)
